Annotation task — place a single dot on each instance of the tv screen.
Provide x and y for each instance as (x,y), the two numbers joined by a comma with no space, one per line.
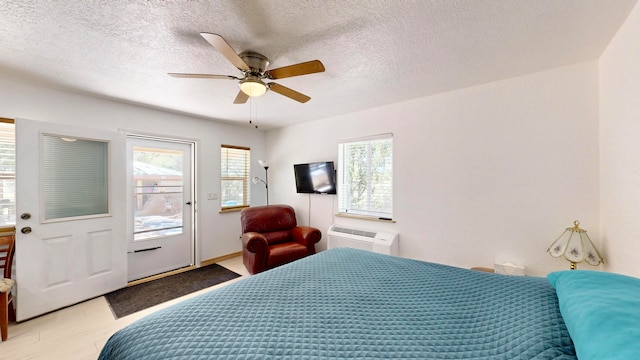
(315,178)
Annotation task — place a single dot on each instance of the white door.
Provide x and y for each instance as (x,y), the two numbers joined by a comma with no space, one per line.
(71,233)
(161,209)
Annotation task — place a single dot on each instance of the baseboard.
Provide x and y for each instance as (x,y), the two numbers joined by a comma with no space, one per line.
(220,258)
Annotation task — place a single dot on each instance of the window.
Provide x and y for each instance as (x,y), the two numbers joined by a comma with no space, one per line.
(235,162)
(160,171)
(75,177)
(365,176)
(7,172)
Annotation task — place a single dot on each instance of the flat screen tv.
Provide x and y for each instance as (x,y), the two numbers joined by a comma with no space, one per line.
(315,178)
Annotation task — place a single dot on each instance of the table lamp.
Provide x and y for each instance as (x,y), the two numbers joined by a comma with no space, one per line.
(576,246)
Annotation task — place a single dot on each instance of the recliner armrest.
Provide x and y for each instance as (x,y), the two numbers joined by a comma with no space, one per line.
(255,242)
(306,235)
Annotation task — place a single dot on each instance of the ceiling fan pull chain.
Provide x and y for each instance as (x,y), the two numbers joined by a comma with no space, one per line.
(250,112)
(255,118)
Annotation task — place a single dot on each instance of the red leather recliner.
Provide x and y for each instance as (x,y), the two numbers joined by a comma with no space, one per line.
(271,237)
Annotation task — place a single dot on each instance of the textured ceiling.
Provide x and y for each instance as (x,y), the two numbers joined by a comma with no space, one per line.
(375,52)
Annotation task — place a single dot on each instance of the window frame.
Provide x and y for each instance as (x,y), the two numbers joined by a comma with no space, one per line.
(245,178)
(8,139)
(344,182)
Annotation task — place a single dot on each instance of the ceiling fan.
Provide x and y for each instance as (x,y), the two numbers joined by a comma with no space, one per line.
(254,70)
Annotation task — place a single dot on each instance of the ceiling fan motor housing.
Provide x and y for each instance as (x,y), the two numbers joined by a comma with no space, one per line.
(257,62)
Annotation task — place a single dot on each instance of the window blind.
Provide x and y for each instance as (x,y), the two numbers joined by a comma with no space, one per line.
(235,163)
(75,177)
(365,176)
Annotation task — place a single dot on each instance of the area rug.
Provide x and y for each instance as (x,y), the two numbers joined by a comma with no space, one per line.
(139,297)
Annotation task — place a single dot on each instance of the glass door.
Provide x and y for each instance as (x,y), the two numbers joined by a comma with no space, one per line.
(161,237)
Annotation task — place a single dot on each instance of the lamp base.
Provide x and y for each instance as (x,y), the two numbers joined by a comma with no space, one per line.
(573,266)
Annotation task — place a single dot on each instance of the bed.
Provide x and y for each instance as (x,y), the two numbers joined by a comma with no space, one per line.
(353,304)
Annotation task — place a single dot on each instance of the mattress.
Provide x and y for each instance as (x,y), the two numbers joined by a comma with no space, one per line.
(352,304)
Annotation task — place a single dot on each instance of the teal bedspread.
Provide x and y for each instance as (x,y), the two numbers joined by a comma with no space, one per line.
(352,304)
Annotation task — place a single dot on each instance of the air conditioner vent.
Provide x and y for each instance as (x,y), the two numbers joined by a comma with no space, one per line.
(379,241)
(368,234)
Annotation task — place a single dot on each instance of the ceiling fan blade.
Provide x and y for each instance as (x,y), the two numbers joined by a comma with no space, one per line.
(241,98)
(203,76)
(225,49)
(309,67)
(292,94)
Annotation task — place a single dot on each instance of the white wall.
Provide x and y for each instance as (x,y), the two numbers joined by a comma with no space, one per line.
(217,234)
(489,173)
(620,148)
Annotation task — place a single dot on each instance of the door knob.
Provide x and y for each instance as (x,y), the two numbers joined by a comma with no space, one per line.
(188,203)
(26,230)
(25,216)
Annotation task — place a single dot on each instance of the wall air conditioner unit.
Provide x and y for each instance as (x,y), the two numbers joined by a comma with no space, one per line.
(383,242)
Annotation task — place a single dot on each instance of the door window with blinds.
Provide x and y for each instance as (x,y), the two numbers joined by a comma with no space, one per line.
(235,177)
(365,176)
(75,177)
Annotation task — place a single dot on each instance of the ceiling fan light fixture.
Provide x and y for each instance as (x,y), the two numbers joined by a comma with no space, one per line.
(253,86)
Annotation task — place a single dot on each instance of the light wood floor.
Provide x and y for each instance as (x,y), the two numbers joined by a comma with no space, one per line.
(80,331)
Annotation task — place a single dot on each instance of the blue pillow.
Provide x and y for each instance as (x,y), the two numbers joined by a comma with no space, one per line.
(601,311)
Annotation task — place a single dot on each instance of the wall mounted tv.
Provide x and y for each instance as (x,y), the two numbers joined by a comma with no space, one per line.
(315,178)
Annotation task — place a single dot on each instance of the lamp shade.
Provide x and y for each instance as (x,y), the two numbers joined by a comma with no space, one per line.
(253,86)
(575,246)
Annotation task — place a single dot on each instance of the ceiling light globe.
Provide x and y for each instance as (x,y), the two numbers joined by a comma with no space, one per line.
(253,87)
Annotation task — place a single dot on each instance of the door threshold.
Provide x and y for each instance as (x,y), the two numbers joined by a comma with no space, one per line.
(161,275)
